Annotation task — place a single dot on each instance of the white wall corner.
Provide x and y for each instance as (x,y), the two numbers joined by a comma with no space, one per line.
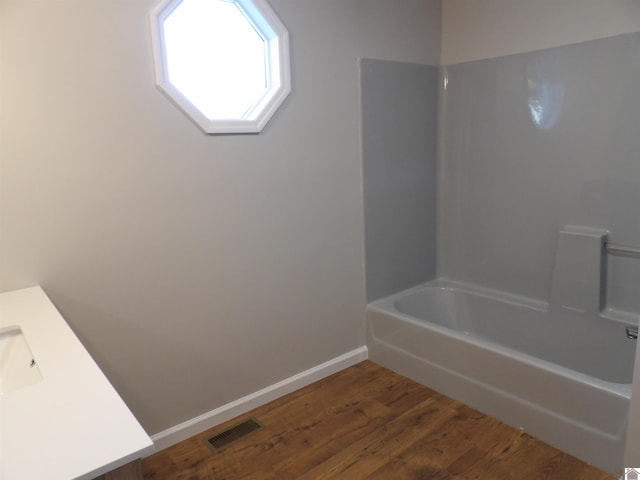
(189,428)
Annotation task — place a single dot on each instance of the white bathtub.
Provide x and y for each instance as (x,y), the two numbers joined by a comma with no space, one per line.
(561,375)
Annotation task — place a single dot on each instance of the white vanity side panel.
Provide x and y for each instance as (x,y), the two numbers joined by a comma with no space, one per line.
(72,424)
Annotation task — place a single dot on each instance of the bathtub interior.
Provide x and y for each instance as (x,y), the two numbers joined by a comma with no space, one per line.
(591,343)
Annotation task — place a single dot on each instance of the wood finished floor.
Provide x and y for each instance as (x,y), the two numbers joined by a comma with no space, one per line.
(367,422)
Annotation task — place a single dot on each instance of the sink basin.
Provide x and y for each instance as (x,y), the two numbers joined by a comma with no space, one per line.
(18,368)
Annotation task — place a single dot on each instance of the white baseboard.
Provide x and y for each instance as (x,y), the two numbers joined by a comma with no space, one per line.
(196,425)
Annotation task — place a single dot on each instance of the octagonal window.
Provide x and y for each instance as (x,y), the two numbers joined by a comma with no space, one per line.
(225,63)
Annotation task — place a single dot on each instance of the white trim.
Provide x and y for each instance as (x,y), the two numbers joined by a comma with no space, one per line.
(196,425)
(276,36)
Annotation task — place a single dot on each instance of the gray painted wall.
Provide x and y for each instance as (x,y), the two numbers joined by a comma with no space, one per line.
(509,183)
(150,237)
(196,269)
(399,114)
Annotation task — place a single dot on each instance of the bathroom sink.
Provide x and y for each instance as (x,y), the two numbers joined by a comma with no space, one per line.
(18,368)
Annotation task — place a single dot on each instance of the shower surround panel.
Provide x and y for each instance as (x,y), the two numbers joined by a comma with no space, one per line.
(537,170)
(531,143)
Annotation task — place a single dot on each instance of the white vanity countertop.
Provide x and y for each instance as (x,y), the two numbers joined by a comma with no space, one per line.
(72,424)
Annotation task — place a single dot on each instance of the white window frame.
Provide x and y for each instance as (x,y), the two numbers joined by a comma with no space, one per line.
(269,26)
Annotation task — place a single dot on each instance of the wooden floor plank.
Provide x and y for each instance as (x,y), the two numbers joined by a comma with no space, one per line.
(367,423)
(369,453)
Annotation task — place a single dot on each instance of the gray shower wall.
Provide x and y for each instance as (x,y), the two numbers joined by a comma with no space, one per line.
(529,143)
(533,142)
(399,106)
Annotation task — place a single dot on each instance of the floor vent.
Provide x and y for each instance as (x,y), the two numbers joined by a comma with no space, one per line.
(222,440)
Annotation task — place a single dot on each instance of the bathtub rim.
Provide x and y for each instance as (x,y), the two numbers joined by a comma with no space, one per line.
(608,312)
(386,305)
(446,283)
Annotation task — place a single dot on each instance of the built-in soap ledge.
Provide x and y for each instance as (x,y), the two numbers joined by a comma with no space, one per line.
(578,275)
(582,274)
(622,302)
